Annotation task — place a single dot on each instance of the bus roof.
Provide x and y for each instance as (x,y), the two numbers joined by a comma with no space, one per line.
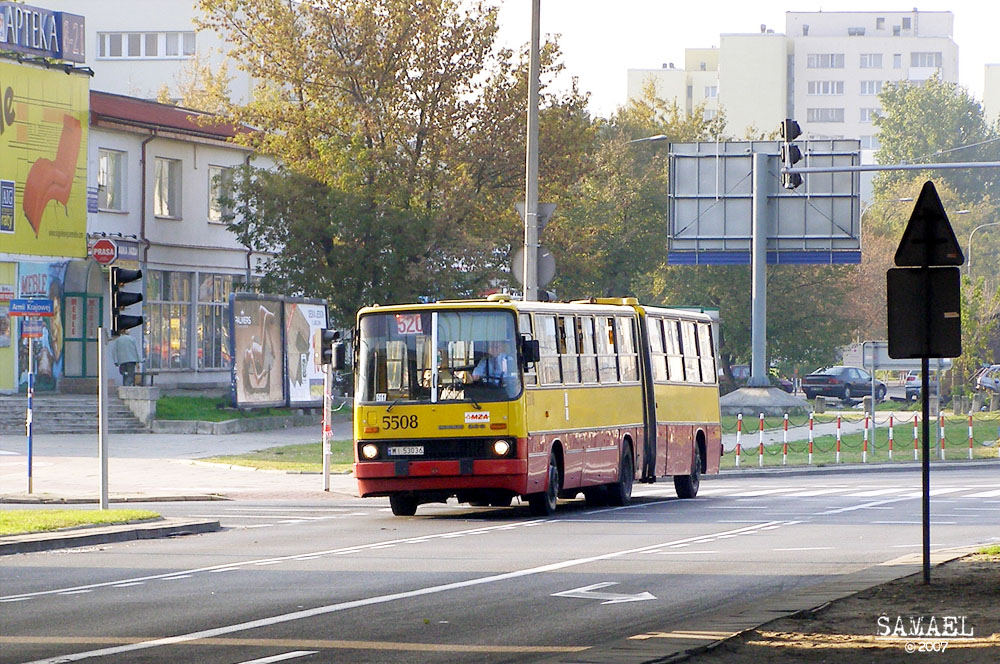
(607,305)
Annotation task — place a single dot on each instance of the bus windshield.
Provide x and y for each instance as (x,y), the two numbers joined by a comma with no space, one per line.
(476,358)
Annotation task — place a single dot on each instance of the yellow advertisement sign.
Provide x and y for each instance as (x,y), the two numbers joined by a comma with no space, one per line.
(43,161)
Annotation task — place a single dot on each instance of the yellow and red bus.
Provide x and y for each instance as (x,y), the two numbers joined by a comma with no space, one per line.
(587,397)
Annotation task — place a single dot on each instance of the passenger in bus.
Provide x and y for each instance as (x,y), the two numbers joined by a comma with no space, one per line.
(498,365)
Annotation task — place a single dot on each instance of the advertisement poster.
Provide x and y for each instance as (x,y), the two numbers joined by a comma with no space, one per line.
(258,352)
(43,160)
(43,280)
(4,325)
(303,320)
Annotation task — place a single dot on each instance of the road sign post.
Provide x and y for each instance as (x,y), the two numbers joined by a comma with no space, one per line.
(924,312)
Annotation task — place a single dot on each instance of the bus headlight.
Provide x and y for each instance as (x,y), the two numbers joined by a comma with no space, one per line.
(369,451)
(501,447)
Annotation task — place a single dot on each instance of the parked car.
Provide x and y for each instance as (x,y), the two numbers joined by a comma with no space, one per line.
(988,378)
(912,385)
(843,383)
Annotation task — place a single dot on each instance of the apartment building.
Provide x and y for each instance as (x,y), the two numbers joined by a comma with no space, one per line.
(826,71)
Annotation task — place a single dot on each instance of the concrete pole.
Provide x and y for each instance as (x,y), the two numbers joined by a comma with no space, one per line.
(102,417)
(758,263)
(531,176)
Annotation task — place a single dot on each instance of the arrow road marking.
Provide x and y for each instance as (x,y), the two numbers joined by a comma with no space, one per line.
(587,592)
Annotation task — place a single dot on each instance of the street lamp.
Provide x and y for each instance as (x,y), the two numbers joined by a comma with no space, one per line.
(968,269)
(649,139)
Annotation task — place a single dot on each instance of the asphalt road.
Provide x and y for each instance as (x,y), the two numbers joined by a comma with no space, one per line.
(345,581)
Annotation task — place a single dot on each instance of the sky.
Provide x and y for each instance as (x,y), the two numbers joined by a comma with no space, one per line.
(602,39)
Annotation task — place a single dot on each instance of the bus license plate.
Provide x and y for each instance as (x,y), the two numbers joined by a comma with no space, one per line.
(413,450)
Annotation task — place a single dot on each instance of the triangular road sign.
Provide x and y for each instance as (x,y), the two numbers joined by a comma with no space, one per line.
(928,239)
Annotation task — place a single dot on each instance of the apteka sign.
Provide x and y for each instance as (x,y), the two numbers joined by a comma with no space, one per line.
(38,31)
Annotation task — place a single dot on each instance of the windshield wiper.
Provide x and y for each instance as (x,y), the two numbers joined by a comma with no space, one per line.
(398,399)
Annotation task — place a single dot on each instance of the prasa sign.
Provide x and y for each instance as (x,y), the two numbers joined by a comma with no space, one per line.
(104,251)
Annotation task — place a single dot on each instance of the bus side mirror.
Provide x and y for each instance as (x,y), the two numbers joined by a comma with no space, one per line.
(339,359)
(530,350)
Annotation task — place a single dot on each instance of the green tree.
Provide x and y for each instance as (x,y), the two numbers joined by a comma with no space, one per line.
(935,121)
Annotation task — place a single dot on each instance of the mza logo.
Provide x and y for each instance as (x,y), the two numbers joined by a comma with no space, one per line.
(477,417)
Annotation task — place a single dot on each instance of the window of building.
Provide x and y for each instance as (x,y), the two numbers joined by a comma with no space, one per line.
(925,59)
(709,114)
(110,180)
(825,61)
(869,114)
(213,318)
(824,115)
(167,309)
(896,31)
(145,44)
(871,87)
(711,91)
(825,87)
(870,143)
(906,23)
(167,188)
(855,32)
(880,23)
(897,60)
(220,188)
(871,60)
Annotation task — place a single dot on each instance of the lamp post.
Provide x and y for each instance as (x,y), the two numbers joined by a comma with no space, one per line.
(968,253)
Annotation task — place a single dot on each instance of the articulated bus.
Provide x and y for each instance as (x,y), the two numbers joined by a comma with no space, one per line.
(488,400)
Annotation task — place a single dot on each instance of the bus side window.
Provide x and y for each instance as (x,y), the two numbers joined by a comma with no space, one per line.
(567,350)
(675,363)
(689,347)
(706,350)
(607,359)
(548,345)
(627,358)
(524,327)
(655,328)
(588,354)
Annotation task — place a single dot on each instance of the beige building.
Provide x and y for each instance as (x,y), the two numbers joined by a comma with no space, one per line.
(991,93)
(825,71)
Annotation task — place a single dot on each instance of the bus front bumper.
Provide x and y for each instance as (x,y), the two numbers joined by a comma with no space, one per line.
(377,478)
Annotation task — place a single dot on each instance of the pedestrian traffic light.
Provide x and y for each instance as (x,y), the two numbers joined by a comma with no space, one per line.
(122,299)
(790,153)
(331,348)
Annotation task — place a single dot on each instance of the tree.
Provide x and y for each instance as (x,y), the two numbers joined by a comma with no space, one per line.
(199,87)
(930,121)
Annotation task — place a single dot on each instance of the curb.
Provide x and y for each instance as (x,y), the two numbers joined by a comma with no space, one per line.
(87,536)
(843,469)
(48,499)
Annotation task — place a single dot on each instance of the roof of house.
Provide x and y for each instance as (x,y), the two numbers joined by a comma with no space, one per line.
(151,115)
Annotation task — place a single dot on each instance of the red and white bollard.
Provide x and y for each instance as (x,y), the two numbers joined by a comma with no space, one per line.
(810,438)
(864,447)
(760,443)
(784,443)
(941,433)
(916,421)
(970,435)
(890,437)
(739,433)
(838,438)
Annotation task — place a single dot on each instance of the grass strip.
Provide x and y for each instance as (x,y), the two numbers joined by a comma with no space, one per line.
(16,522)
(307,457)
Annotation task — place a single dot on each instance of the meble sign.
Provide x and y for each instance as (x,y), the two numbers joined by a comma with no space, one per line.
(38,31)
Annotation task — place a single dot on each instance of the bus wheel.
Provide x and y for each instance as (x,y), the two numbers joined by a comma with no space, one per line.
(403,505)
(544,503)
(686,486)
(620,493)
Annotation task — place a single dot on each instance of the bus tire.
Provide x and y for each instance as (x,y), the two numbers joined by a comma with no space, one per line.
(620,493)
(544,503)
(686,486)
(403,505)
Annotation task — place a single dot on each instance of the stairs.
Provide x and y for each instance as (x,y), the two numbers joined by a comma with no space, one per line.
(65,413)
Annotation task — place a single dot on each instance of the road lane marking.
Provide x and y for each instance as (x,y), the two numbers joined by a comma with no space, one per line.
(984,494)
(382,599)
(281,658)
(683,553)
(235,565)
(805,548)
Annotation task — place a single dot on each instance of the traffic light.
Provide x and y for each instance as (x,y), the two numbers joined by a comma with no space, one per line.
(122,299)
(331,348)
(790,153)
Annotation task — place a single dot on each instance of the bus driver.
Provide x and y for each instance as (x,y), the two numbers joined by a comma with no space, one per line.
(498,365)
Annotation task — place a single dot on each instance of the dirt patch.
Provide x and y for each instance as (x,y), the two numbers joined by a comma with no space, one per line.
(879,625)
